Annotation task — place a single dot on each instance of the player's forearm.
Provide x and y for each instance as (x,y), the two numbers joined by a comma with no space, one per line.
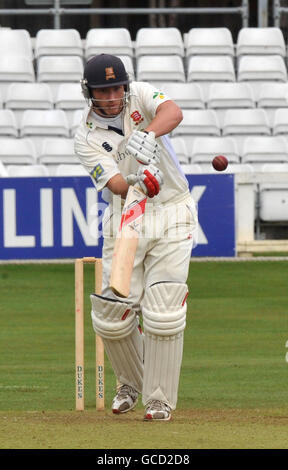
(118,185)
(168,116)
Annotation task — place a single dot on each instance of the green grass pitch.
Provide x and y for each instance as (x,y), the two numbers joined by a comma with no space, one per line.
(233,389)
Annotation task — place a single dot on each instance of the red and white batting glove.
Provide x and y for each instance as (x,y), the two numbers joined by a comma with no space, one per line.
(143,146)
(149,178)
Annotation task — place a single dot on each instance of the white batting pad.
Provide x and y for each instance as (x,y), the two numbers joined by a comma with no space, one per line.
(111,318)
(126,357)
(164,319)
(164,308)
(117,324)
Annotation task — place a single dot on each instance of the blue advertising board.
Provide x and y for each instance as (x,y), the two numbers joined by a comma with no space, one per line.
(58,218)
(214,195)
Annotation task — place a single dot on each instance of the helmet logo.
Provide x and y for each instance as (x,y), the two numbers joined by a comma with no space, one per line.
(109,73)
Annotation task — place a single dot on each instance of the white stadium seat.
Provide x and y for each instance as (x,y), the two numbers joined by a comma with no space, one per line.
(273,95)
(58,42)
(273,200)
(274,167)
(206,148)
(16,69)
(259,69)
(115,41)
(29,95)
(44,122)
(69,96)
(56,151)
(258,150)
(222,96)
(208,41)
(273,197)
(1,98)
(280,122)
(179,145)
(17,151)
(262,68)
(59,69)
(245,121)
(240,123)
(71,170)
(3,171)
(128,64)
(8,123)
(198,121)
(23,171)
(75,121)
(256,41)
(160,68)
(186,95)
(230,95)
(16,43)
(211,68)
(158,41)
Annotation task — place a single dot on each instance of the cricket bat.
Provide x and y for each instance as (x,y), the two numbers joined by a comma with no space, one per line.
(126,241)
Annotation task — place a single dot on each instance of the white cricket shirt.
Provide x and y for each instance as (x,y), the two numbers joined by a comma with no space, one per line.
(101,147)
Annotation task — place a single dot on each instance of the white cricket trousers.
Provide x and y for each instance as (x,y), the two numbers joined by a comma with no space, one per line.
(164,249)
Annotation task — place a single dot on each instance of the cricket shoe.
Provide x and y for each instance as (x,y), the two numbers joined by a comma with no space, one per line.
(157,410)
(125,399)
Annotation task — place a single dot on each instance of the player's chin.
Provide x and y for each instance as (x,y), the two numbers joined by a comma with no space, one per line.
(113,110)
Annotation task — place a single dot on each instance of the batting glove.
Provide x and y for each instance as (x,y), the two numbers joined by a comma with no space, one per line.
(143,146)
(149,178)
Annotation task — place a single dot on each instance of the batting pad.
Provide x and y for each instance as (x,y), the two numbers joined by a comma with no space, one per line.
(164,319)
(111,318)
(116,323)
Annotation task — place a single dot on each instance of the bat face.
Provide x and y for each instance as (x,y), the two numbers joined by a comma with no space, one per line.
(127,241)
(133,211)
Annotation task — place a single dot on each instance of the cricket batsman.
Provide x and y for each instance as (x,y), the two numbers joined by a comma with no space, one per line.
(123,140)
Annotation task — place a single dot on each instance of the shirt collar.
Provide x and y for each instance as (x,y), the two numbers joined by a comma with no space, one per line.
(90,122)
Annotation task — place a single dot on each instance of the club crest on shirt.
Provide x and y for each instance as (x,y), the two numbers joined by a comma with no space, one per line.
(97,171)
(136,116)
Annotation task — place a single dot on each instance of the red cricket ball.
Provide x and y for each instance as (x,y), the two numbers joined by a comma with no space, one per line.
(220,163)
